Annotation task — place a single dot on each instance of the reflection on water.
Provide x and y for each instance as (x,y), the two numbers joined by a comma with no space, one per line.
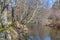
(38,38)
(47,38)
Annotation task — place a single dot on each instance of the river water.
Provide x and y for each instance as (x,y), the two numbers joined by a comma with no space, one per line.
(39,38)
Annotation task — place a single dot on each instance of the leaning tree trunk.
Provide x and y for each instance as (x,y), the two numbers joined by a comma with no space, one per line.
(4,22)
(4,19)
